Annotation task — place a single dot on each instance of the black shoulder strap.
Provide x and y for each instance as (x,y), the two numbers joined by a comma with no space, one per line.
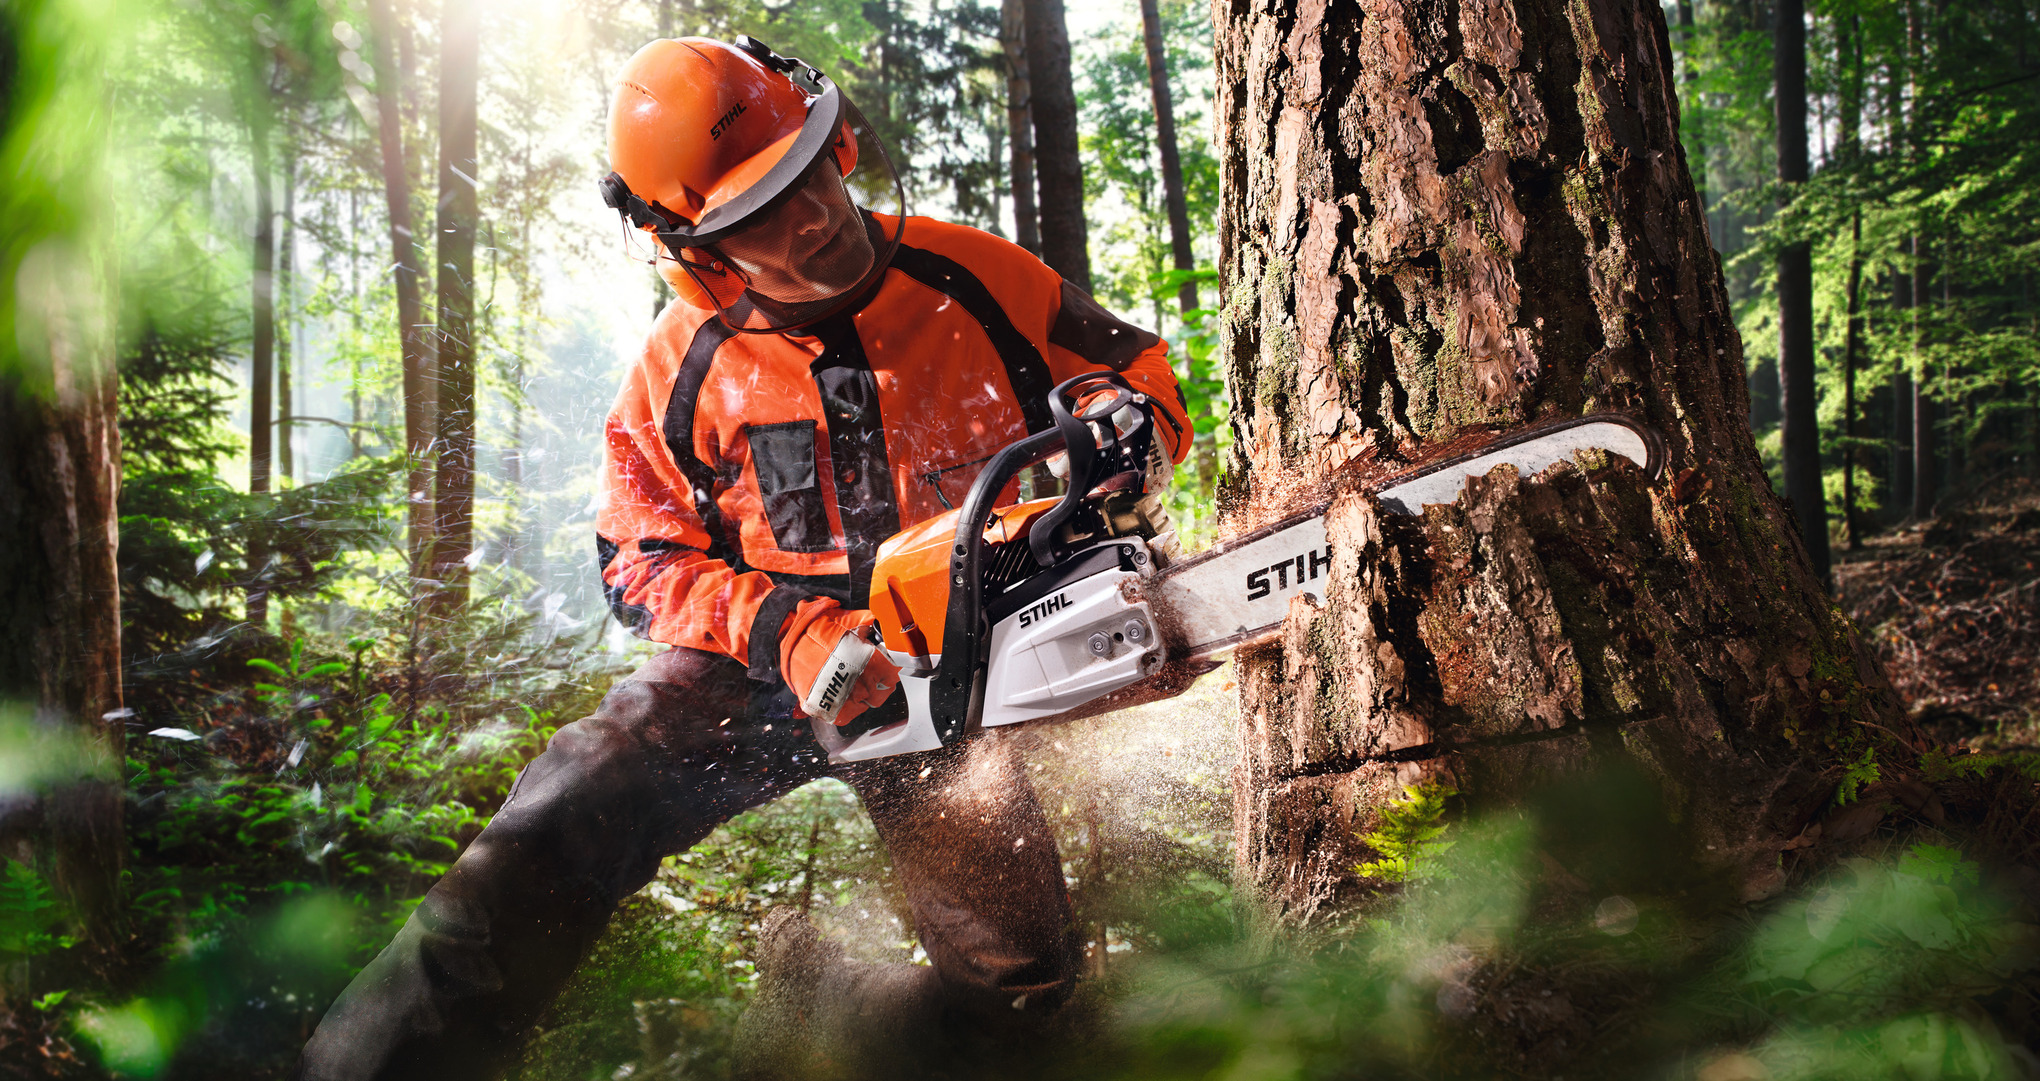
(678,430)
(1025,368)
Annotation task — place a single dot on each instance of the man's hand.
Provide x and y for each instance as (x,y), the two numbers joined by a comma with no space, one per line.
(829,656)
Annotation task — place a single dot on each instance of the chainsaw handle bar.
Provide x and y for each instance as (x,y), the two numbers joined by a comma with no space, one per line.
(955,698)
(1082,449)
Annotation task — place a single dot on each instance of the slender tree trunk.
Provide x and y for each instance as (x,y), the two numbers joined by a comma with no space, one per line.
(1019,124)
(1165,141)
(454,502)
(354,316)
(1397,283)
(1926,474)
(418,390)
(1697,129)
(1901,408)
(1849,150)
(261,353)
(1798,401)
(60,624)
(1065,240)
(1926,470)
(286,264)
(1851,345)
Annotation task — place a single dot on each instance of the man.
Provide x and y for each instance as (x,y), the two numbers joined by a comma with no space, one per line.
(829,376)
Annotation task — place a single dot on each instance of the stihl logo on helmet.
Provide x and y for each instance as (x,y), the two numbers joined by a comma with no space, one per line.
(754,219)
(723,125)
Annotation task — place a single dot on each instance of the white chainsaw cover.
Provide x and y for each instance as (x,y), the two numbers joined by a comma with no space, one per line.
(1071,646)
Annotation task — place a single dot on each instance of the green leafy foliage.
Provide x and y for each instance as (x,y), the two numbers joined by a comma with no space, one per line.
(1856,776)
(1406,842)
(30,917)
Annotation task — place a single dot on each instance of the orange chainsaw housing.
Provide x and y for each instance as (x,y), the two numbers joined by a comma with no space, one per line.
(911,578)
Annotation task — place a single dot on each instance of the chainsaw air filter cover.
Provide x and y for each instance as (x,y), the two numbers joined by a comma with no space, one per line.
(910,583)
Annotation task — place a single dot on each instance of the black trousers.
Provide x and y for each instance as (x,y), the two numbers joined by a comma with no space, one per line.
(683,744)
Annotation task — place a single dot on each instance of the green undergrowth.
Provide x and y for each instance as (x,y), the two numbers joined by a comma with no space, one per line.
(1913,961)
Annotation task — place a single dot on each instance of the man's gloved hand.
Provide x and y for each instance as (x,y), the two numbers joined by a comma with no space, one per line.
(829,656)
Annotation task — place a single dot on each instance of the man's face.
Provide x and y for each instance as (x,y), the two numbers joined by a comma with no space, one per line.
(811,248)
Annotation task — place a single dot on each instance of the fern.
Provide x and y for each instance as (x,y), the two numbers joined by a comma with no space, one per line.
(29,914)
(1407,840)
(1857,776)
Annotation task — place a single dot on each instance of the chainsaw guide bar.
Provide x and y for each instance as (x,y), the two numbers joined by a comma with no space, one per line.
(1237,593)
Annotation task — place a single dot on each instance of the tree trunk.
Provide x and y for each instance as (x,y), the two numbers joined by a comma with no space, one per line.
(418,396)
(454,502)
(1165,141)
(1052,99)
(1901,408)
(1849,57)
(1437,228)
(1798,401)
(1851,346)
(261,352)
(1688,30)
(59,588)
(1926,470)
(1020,124)
(286,265)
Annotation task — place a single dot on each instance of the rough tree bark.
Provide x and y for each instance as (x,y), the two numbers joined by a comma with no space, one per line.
(1019,124)
(1165,142)
(404,255)
(1052,99)
(1441,221)
(59,588)
(1798,401)
(454,498)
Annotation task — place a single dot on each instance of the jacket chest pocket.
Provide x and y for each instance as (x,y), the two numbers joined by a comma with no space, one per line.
(783,456)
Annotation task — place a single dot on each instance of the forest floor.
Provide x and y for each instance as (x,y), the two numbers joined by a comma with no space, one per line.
(1953,607)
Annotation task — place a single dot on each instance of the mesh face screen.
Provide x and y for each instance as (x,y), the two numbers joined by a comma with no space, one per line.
(794,264)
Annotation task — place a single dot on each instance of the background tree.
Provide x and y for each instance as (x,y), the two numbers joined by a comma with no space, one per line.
(1059,166)
(1799,423)
(453,499)
(417,399)
(1019,125)
(1165,145)
(1402,184)
(60,632)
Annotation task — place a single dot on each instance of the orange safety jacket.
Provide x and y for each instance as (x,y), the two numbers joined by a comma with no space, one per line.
(745,473)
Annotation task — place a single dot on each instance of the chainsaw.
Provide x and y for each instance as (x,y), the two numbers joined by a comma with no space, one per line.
(1044,608)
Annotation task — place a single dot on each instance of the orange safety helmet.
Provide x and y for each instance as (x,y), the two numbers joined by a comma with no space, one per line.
(707,140)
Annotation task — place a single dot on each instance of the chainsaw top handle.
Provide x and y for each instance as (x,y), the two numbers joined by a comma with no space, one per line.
(959,683)
(1107,394)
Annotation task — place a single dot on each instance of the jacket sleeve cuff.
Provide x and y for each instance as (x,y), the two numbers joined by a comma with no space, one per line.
(765,623)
